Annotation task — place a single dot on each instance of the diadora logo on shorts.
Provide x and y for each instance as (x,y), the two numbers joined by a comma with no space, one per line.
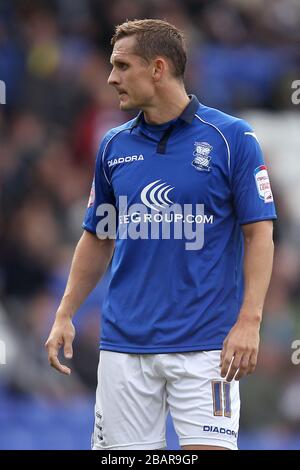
(229,432)
(119,160)
(202,157)
(155,195)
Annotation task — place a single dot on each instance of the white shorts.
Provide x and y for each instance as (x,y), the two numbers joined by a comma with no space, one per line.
(136,391)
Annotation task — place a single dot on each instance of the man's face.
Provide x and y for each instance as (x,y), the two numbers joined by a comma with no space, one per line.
(131,75)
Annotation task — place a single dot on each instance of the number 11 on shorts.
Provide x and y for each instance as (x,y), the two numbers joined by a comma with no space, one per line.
(221,398)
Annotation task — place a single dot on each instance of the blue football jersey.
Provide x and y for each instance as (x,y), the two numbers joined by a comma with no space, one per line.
(180,192)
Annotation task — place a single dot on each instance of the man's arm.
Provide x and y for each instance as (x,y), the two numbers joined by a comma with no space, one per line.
(240,348)
(90,262)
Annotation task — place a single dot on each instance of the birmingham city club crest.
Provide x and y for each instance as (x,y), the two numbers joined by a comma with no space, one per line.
(202,157)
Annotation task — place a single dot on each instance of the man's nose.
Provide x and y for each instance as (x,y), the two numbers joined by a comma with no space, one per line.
(112,79)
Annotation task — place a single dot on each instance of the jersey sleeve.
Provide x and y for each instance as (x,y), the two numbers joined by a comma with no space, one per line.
(252,194)
(101,192)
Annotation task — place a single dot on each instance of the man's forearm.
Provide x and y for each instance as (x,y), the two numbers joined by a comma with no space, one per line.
(258,260)
(90,262)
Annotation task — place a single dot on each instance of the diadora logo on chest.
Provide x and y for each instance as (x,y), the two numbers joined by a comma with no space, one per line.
(202,158)
(120,160)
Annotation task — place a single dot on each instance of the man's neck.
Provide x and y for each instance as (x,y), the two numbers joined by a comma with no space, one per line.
(166,107)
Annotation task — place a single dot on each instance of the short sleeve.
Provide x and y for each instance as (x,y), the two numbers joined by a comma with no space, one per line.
(252,194)
(101,193)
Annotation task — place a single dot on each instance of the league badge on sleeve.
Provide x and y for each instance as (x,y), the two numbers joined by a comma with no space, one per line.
(263,183)
(202,157)
(92,195)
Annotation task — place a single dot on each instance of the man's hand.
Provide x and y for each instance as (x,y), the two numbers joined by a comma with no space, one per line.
(240,350)
(62,334)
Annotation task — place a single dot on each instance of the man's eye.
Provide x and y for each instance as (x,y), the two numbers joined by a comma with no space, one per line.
(123,66)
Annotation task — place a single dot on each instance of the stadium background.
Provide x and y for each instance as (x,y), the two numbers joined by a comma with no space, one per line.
(243,57)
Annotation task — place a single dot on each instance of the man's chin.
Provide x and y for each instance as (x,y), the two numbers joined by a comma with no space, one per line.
(125,106)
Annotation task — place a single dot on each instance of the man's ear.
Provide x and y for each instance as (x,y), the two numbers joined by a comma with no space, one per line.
(159,67)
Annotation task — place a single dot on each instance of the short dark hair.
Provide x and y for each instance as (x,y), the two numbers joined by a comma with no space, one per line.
(155,38)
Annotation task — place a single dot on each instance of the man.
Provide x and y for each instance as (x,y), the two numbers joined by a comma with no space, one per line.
(181,319)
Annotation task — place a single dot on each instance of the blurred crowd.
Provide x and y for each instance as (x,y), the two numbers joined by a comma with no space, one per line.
(54,60)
